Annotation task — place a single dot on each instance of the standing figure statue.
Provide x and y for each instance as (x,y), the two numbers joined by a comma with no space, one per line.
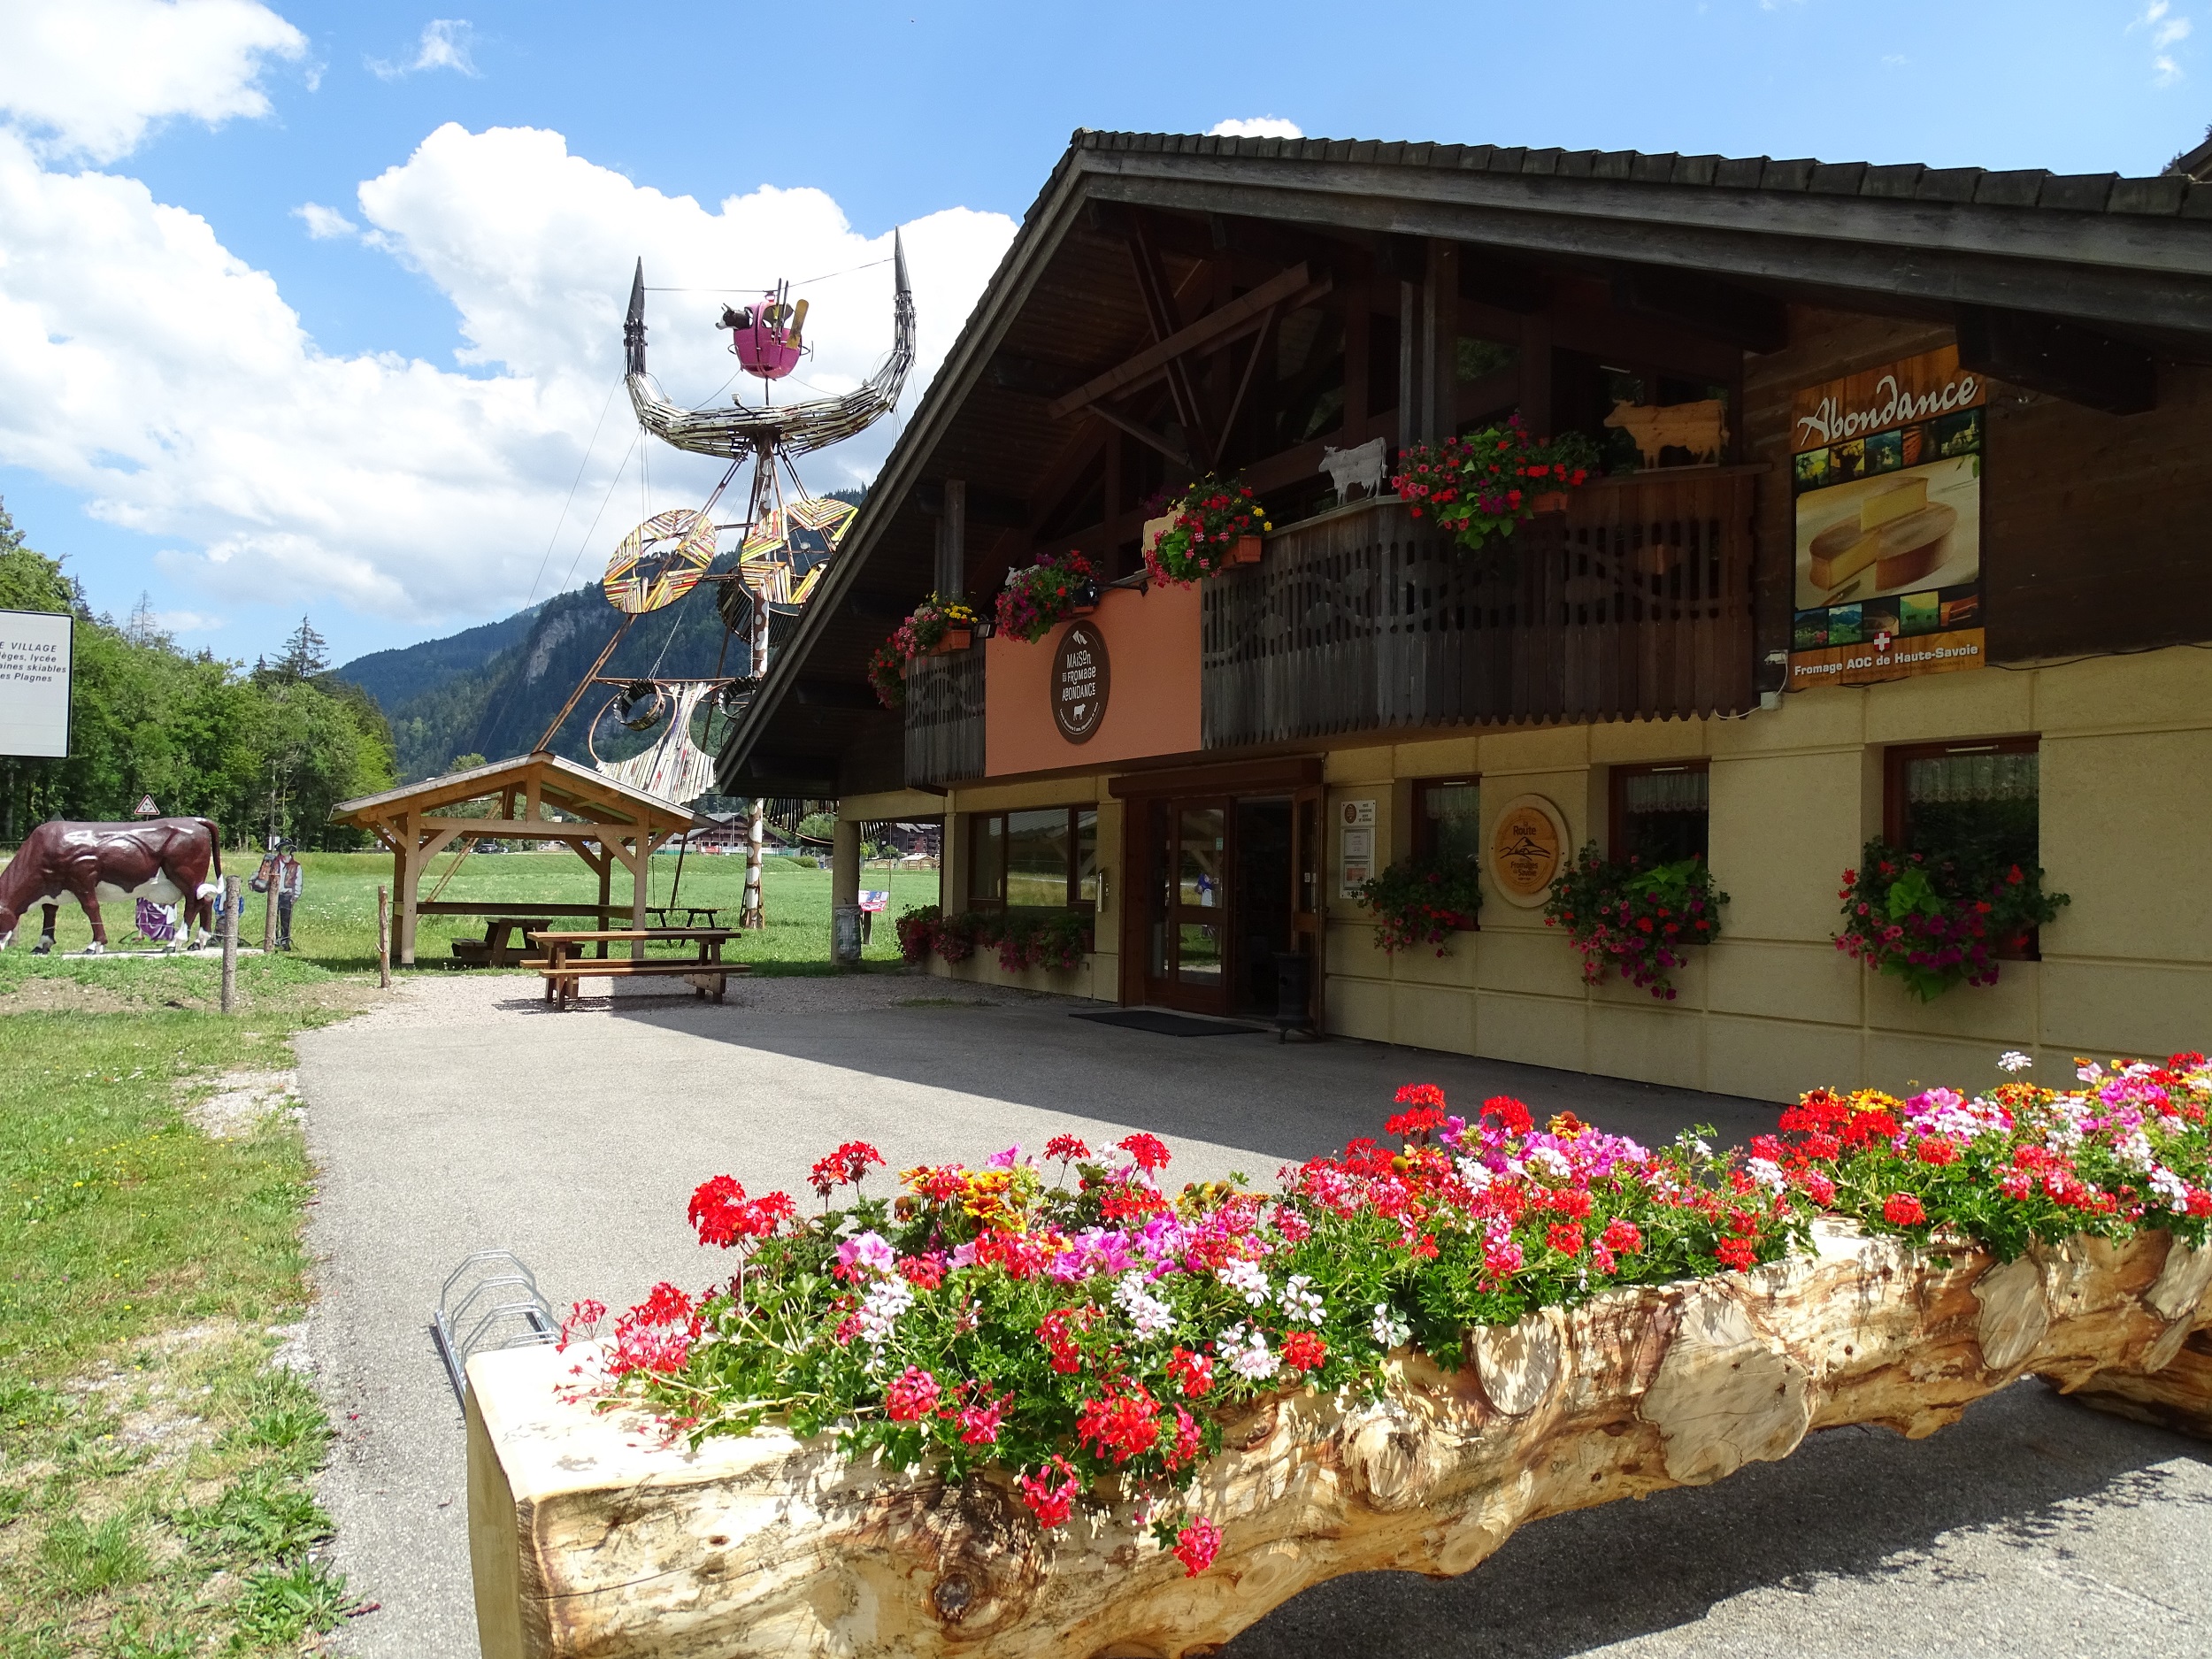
(282,870)
(167,860)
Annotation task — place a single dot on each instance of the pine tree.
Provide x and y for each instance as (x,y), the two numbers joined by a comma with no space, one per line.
(306,654)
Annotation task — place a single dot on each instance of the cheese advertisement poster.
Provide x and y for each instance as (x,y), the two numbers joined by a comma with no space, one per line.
(1887,477)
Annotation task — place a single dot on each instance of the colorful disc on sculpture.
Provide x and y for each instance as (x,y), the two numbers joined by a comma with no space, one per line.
(660,561)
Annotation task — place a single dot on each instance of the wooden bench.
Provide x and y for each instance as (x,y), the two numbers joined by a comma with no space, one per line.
(494,950)
(564,971)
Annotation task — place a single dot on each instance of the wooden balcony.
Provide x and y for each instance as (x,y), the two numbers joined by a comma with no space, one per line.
(1635,603)
(944,717)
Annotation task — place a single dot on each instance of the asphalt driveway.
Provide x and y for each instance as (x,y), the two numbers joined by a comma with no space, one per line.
(462,1115)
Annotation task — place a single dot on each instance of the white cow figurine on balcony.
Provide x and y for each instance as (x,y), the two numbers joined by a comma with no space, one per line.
(1363,466)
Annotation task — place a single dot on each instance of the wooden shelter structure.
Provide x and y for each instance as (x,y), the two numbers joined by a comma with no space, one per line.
(605,823)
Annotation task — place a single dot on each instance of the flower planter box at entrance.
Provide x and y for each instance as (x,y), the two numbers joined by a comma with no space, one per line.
(594,1532)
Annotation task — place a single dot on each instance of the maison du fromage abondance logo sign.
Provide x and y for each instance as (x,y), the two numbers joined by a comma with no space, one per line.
(1080,683)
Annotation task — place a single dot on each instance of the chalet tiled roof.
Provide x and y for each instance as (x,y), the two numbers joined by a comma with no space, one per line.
(2167,196)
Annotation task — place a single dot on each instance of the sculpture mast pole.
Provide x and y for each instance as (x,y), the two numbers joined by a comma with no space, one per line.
(752,912)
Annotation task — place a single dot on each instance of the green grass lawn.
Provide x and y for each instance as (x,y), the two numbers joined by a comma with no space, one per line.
(335,921)
(156,1462)
(155,1466)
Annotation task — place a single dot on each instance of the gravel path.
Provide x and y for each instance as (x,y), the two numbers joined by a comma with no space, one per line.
(462,1113)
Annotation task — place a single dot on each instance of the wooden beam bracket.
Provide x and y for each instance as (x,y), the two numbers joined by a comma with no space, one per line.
(2055,356)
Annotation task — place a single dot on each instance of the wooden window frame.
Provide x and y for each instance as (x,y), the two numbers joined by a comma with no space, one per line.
(972,828)
(1894,759)
(1423,832)
(1616,799)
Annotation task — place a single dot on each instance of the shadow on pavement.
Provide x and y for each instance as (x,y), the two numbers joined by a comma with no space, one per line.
(2022,1471)
(1291,1101)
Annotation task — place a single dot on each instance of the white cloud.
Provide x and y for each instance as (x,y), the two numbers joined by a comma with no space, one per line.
(325,224)
(187,622)
(144,363)
(444,45)
(87,77)
(2166,31)
(1257,126)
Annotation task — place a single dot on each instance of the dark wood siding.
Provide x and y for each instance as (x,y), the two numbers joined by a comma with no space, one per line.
(2094,526)
(1637,603)
(944,719)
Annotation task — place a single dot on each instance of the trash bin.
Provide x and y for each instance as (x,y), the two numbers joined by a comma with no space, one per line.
(845,935)
(1294,992)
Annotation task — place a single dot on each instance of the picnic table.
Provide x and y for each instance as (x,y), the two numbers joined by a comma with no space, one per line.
(494,950)
(691,913)
(564,967)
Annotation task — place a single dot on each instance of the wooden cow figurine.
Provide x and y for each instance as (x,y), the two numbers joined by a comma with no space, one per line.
(166,860)
(1700,429)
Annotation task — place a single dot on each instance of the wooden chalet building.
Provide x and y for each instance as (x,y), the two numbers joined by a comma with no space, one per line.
(1692,657)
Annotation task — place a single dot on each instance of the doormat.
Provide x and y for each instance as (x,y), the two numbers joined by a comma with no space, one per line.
(1160,1023)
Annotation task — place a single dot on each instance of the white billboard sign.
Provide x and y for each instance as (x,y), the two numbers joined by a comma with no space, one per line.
(35,657)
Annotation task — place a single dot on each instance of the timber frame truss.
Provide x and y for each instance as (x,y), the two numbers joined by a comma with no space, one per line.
(605,823)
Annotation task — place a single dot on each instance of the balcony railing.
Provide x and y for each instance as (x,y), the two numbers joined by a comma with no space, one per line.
(944,717)
(1637,602)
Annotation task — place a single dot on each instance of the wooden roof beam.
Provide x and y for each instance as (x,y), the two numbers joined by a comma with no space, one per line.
(1290,289)
(1705,305)
(2065,359)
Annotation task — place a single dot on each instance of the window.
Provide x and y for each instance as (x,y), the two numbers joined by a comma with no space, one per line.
(1046,858)
(1660,814)
(1973,802)
(1976,802)
(1446,819)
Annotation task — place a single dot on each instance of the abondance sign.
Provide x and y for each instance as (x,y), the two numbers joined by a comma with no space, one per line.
(36,654)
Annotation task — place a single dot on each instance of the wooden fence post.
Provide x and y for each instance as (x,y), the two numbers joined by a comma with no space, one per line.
(383,937)
(268,914)
(230,944)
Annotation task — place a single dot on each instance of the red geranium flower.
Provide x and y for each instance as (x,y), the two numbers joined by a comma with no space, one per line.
(1196,1545)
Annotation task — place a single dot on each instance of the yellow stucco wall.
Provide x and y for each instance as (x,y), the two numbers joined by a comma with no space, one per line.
(1773,1007)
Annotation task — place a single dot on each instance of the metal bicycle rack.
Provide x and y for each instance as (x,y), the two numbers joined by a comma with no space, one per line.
(518,1314)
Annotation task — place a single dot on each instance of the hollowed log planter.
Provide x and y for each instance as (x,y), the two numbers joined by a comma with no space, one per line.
(592,1536)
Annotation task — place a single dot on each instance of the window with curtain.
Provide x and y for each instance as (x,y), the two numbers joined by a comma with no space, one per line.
(1446,819)
(1662,813)
(1041,858)
(1976,802)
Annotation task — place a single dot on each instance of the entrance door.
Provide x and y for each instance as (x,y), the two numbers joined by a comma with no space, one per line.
(1188,919)
(1309,865)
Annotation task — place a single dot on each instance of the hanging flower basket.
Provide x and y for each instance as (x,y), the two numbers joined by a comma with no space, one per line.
(1482,485)
(1423,901)
(1635,919)
(1932,922)
(936,625)
(1218,522)
(1041,596)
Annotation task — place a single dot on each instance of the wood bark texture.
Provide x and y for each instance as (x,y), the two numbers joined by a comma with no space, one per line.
(593,1535)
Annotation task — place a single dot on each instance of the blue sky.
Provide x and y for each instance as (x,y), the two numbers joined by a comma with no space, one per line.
(397,462)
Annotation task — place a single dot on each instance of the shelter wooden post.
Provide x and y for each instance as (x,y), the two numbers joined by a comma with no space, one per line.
(409,874)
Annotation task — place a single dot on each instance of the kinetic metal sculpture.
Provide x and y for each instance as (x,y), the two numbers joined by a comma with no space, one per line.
(785,544)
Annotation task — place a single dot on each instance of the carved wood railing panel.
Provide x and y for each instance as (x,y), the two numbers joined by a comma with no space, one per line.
(1637,602)
(944,717)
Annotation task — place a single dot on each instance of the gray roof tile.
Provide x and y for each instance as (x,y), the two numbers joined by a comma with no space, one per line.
(2165,195)
(2083,192)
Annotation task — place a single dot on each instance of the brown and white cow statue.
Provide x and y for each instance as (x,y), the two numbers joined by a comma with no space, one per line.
(164,859)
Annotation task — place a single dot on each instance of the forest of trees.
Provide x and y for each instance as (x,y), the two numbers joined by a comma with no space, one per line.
(262,751)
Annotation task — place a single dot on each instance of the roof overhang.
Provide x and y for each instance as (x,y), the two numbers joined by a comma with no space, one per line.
(2132,256)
